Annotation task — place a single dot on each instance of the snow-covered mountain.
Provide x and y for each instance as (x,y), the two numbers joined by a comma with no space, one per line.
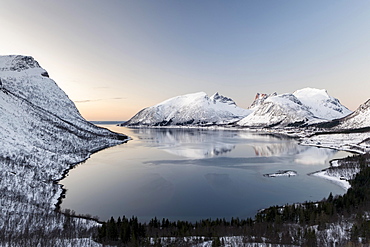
(33,109)
(321,104)
(305,106)
(190,109)
(359,119)
(259,99)
(280,110)
(42,135)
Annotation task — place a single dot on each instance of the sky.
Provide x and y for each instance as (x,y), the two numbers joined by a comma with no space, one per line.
(116,57)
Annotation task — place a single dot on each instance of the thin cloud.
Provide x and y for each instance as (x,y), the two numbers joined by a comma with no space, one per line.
(94,100)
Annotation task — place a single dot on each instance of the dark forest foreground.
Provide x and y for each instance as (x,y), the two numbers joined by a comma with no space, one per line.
(334,221)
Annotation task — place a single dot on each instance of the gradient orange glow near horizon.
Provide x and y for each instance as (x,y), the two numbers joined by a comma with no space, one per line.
(114,58)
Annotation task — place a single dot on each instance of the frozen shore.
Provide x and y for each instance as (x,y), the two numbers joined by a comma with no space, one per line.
(351,142)
(342,182)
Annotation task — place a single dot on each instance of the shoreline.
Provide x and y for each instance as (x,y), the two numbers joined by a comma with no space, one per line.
(302,136)
(342,183)
(61,193)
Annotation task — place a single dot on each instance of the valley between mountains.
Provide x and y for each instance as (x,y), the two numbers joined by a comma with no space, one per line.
(43,135)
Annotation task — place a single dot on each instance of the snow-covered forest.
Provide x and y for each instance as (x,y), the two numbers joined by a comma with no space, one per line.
(42,136)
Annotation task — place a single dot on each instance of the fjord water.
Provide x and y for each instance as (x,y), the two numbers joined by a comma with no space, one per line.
(193,174)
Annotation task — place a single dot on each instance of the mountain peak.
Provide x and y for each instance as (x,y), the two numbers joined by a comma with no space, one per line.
(304,106)
(190,109)
(18,63)
(365,106)
(321,104)
(308,92)
(357,120)
(23,76)
(42,135)
(222,99)
(260,98)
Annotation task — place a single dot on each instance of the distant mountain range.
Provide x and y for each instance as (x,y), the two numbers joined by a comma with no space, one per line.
(305,107)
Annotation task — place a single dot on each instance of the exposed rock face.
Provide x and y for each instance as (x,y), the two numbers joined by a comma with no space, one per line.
(259,99)
(19,63)
(222,99)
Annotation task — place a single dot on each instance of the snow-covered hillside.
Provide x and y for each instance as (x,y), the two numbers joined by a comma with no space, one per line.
(357,120)
(42,134)
(190,109)
(280,110)
(321,104)
(301,108)
(305,106)
(259,99)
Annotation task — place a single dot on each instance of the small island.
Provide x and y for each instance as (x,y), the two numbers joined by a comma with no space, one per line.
(281,173)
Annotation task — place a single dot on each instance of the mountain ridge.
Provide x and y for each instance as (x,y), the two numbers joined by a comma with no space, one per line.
(302,108)
(357,120)
(190,109)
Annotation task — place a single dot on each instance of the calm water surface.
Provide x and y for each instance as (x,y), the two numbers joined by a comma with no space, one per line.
(189,174)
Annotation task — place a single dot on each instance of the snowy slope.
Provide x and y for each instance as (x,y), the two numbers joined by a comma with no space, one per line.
(190,109)
(259,99)
(358,119)
(321,104)
(24,77)
(41,134)
(305,106)
(280,110)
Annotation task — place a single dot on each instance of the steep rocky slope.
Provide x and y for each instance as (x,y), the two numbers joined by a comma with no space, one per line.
(42,134)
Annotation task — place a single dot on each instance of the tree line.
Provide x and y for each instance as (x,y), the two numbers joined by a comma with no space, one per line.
(298,224)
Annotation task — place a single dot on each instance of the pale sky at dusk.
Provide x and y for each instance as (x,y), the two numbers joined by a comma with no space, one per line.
(114,58)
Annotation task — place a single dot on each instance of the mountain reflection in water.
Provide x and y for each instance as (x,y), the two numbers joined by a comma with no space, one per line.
(192,174)
(202,144)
